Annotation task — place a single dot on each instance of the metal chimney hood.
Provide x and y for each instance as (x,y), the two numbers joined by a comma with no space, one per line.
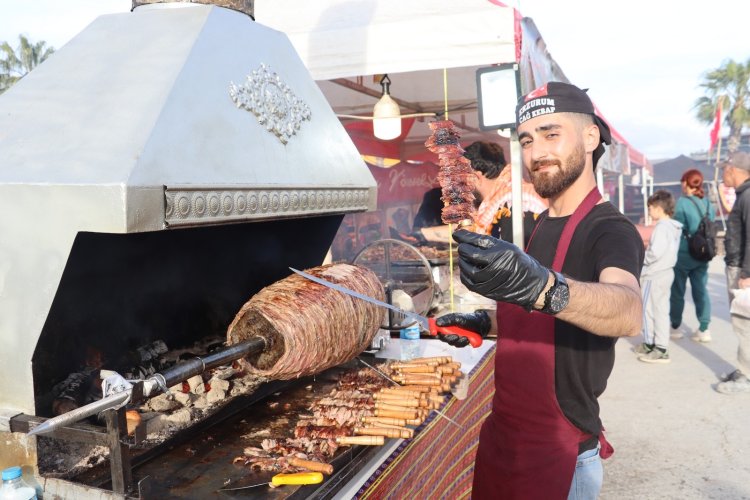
(176,116)
(151,120)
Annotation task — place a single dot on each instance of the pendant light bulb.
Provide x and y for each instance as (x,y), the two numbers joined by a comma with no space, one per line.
(386,124)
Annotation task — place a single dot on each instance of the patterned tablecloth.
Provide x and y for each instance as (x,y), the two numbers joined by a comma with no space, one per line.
(439,461)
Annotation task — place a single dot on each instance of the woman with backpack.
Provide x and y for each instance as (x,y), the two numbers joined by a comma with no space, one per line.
(690,210)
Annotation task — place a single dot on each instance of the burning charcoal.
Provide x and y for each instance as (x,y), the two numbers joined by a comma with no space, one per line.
(151,351)
(217,383)
(183,398)
(224,372)
(200,402)
(140,372)
(196,384)
(156,424)
(73,392)
(180,418)
(218,390)
(215,395)
(162,402)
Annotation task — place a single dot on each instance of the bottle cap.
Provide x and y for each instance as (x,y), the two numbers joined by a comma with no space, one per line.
(11,473)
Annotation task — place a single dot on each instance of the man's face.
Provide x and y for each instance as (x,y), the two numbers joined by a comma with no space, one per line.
(553,151)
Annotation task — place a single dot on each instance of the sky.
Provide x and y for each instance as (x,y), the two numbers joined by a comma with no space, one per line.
(643,61)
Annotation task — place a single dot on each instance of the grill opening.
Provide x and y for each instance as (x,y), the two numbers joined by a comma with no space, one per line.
(122,295)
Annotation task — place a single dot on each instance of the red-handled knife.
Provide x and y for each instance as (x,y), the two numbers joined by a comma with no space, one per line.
(427,325)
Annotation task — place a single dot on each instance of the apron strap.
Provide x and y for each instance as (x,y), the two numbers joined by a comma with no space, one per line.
(567,235)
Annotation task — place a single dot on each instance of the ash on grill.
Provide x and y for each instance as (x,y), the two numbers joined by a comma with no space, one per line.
(192,401)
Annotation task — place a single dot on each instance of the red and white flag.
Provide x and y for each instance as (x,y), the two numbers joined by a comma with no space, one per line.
(716,128)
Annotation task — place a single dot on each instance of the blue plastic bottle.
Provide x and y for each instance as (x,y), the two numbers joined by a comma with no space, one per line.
(14,487)
(409,339)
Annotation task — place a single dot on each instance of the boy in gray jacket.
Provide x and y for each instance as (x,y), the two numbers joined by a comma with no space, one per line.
(657,276)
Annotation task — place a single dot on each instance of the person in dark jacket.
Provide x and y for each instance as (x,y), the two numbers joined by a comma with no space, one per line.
(690,209)
(429,211)
(737,259)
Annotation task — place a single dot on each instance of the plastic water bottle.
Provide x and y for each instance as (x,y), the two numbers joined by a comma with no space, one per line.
(14,487)
(409,342)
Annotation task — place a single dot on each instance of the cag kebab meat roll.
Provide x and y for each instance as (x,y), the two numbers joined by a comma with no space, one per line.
(309,327)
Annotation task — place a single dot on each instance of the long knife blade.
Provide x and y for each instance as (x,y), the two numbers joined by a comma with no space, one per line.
(389,379)
(422,320)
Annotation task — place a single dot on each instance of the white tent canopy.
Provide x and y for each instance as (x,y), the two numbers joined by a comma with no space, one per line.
(346,38)
(344,43)
(421,44)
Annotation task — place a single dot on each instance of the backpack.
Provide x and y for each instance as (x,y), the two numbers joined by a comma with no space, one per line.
(702,243)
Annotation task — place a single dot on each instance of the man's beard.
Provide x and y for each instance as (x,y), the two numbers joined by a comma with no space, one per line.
(552,184)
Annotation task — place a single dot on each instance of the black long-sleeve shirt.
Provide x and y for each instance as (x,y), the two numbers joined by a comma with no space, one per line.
(737,238)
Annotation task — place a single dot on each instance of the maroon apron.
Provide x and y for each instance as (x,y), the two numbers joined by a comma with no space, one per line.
(527,447)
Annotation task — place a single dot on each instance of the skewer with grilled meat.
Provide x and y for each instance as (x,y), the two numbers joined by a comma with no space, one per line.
(456,176)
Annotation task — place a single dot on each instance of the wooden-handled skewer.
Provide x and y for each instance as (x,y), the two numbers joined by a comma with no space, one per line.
(418,369)
(379,405)
(407,415)
(402,391)
(383,431)
(398,401)
(364,440)
(400,422)
(437,359)
(311,465)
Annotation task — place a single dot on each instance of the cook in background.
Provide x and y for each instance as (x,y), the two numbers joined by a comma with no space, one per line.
(493,188)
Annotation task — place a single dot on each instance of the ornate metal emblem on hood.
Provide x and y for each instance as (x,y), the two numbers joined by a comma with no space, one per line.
(272,102)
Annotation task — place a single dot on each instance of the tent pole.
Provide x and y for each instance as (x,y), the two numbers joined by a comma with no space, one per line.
(516,189)
(644,190)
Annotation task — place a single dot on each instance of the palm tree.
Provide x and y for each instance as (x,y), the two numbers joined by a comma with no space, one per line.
(15,64)
(729,83)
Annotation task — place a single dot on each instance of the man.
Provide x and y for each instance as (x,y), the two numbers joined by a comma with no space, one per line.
(487,161)
(561,307)
(737,259)
(493,188)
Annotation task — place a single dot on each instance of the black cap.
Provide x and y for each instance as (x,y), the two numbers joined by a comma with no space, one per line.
(559,97)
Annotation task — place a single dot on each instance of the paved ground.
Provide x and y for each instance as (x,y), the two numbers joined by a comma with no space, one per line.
(676,437)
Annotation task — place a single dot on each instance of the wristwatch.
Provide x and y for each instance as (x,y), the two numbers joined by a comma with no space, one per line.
(557,297)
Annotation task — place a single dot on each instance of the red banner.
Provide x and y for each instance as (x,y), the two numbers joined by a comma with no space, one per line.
(717,127)
(404,183)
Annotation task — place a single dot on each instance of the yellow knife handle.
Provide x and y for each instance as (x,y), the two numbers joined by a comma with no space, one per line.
(297,478)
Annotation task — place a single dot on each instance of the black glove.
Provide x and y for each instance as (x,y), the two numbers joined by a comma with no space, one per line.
(478,322)
(499,270)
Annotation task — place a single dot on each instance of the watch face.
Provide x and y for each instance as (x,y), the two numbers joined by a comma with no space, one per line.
(559,299)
